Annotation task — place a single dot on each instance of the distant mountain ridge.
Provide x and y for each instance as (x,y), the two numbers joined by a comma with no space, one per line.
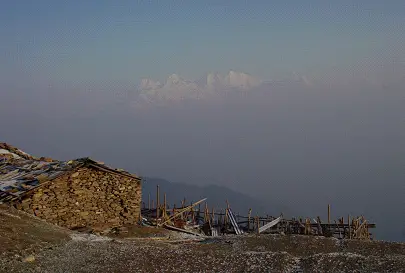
(216,197)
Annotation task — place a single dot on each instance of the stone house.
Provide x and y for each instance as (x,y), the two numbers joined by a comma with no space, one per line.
(73,194)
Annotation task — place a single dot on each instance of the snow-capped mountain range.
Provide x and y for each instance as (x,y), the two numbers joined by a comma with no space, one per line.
(177,88)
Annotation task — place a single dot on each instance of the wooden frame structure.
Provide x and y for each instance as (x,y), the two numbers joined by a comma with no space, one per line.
(222,221)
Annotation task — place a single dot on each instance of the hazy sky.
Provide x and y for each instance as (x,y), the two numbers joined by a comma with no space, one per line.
(117,42)
(69,71)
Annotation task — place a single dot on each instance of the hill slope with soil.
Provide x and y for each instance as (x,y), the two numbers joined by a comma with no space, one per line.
(31,245)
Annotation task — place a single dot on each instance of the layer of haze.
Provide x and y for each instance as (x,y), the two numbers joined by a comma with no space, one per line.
(68,76)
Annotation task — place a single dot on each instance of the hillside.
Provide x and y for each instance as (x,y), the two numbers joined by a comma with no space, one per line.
(22,234)
(31,245)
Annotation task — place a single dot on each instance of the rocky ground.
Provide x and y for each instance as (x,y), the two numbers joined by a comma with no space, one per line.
(39,247)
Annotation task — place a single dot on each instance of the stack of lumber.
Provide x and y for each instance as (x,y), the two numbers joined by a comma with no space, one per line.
(86,197)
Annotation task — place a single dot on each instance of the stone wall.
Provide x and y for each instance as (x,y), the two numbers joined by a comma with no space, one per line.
(87,197)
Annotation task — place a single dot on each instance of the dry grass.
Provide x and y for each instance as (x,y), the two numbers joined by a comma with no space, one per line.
(21,233)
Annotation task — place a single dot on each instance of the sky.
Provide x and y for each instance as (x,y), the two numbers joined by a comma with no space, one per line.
(119,42)
(69,75)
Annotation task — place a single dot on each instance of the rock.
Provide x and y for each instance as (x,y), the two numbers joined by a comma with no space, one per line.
(29,259)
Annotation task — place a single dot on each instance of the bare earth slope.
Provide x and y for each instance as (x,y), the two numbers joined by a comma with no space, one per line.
(53,249)
(21,233)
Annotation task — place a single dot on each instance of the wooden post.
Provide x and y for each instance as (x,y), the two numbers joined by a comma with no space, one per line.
(183,203)
(149,201)
(350,230)
(367,232)
(319,225)
(192,213)
(164,201)
(257,225)
(157,204)
(226,214)
(206,213)
(213,216)
(337,229)
(328,214)
(250,212)
(199,213)
(308,226)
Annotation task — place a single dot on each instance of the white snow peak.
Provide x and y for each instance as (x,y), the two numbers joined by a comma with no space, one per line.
(177,88)
(241,80)
(148,84)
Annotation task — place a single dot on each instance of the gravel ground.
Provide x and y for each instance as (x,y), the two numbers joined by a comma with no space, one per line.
(28,244)
(90,253)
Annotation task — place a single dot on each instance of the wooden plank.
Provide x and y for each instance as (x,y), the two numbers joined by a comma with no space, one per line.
(181,211)
(233,222)
(269,225)
(108,170)
(181,230)
(214,231)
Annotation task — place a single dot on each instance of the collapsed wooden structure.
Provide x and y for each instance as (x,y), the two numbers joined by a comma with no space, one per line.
(197,219)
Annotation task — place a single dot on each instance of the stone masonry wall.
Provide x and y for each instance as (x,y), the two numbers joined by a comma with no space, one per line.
(87,197)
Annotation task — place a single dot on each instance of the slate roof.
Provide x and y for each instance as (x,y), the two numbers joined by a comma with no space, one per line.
(19,175)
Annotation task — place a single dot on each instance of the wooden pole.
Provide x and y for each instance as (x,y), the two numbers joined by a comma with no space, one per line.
(157,204)
(226,214)
(220,217)
(213,216)
(192,213)
(318,219)
(207,217)
(257,225)
(149,201)
(350,230)
(198,214)
(328,214)
(250,212)
(183,202)
(164,200)
(206,214)
(183,210)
